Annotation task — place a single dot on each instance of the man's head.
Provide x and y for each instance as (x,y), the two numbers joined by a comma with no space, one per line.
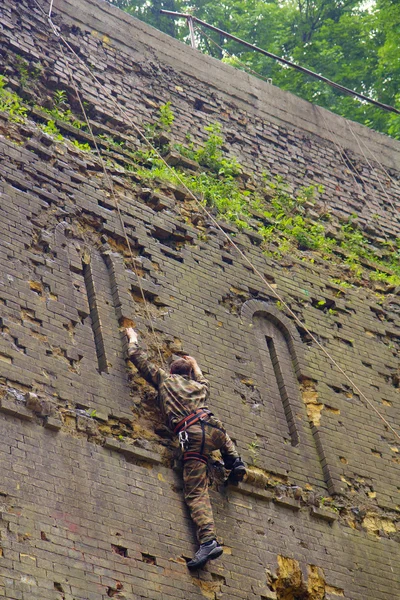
(181,367)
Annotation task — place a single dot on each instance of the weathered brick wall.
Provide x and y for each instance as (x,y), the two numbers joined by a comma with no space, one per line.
(91,495)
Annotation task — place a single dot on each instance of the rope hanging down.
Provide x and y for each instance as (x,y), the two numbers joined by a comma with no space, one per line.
(345,161)
(108,179)
(111,186)
(210,216)
(356,137)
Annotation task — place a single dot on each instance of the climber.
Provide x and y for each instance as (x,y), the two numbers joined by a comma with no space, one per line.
(182,398)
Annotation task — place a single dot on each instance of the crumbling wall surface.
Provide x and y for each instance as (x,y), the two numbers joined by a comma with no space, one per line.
(91,496)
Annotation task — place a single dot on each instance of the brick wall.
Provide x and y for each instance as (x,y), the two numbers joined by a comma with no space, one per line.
(91,495)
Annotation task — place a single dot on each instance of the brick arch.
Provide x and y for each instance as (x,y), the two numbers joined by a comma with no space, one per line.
(259,308)
(278,346)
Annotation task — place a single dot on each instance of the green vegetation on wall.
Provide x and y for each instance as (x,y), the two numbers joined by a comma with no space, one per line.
(279,218)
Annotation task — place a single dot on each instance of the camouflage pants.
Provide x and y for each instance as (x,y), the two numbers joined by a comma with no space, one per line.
(204,437)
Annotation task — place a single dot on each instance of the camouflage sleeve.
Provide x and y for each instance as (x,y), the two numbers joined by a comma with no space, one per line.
(147,369)
(199,377)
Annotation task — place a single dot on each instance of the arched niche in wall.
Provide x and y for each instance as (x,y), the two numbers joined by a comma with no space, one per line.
(276,345)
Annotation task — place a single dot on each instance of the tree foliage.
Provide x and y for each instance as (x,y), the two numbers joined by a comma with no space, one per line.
(352,42)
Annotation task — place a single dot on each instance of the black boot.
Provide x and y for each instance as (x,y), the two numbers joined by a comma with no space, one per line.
(207,551)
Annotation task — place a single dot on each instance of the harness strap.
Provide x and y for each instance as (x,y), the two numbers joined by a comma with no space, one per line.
(195,456)
(191,419)
(214,426)
(203,437)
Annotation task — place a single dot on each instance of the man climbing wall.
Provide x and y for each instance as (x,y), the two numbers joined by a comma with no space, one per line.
(182,399)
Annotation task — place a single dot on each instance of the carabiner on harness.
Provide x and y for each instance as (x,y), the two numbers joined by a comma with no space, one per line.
(183,440)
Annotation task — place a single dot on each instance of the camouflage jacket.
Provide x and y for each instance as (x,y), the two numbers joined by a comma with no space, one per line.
(178,395)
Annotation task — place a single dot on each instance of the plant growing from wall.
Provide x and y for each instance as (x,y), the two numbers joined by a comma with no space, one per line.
(84,146)
(254,451)
(62,111)
(211,154)
(27,71)
(163,123)
(11,103)
(279,216)
(51,129)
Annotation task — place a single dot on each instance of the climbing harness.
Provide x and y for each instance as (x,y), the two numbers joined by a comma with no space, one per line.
(191,419)
(201,416)
(195,456)
(197,416)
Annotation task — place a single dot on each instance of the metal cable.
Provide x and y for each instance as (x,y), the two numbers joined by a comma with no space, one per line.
(333,84)
(246,67)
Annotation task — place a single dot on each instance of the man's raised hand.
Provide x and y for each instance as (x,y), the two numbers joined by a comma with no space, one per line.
(189,359)
(132,336)
(193,362)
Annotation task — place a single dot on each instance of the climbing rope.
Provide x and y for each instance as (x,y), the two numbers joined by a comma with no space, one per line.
(343,158)
(111,186)
(341,152)
(108,180)
(375,158)
(218,226)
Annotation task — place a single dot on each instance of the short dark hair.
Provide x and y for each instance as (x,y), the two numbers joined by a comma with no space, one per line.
(181,367)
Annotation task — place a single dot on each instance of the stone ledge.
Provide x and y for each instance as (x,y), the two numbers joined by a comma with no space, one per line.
(268,595)
(11,407)
(132,451)
(53,424)
(251,490)
(288,503)
(175,159)
(323,514)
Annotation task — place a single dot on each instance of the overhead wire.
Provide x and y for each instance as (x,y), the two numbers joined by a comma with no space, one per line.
(238,61)
(285,61)
(331,133)
(255,270)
